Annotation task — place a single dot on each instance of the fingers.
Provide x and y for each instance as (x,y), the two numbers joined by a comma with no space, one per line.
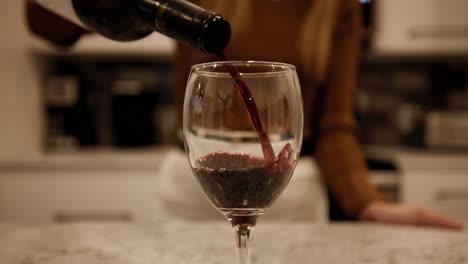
(405,214)
(50,26)
(431,218)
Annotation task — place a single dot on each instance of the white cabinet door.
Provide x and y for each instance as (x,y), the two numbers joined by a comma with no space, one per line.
(447,193)
(439,182)
(420,27)
(76,196)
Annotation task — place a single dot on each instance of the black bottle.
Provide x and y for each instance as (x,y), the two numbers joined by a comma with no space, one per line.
(126,20)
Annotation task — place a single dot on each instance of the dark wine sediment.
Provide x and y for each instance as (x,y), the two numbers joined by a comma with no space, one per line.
(241,181)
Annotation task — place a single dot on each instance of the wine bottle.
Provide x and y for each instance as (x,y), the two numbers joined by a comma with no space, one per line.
(127,20)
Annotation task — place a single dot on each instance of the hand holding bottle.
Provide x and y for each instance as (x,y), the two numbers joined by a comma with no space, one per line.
(127,20)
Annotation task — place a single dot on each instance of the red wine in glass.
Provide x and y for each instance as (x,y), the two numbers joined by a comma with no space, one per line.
(242,186)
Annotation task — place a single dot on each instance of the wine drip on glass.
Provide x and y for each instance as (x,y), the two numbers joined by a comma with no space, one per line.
(237,115)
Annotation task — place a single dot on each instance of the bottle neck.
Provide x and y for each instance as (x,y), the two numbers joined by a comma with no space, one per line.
(187,22)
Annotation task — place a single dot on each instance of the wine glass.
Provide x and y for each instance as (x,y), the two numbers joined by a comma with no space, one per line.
(242,129)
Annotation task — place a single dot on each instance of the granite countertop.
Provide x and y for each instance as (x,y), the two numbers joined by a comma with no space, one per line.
(213,242)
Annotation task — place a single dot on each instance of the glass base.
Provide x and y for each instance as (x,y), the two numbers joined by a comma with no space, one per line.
(242,216)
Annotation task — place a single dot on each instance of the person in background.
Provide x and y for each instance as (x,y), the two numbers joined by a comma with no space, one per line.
(323,39)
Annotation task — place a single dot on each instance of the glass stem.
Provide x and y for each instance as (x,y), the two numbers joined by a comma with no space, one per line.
(243,233)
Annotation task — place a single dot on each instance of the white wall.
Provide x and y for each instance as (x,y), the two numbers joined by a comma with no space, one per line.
(20,111)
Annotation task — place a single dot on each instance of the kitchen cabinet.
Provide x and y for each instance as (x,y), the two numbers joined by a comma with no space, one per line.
(436,181)
(137,187)
(76,187)
(143,186)
(420,27)
(71,196)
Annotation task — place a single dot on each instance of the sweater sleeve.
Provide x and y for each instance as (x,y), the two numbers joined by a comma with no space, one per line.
(337,150)
(51,27)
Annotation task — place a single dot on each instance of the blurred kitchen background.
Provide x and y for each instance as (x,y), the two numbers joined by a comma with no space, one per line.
(84,132)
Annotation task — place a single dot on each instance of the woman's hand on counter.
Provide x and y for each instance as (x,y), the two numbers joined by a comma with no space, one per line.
(405,214)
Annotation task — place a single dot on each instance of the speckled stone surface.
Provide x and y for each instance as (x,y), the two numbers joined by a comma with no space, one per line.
(213,242)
